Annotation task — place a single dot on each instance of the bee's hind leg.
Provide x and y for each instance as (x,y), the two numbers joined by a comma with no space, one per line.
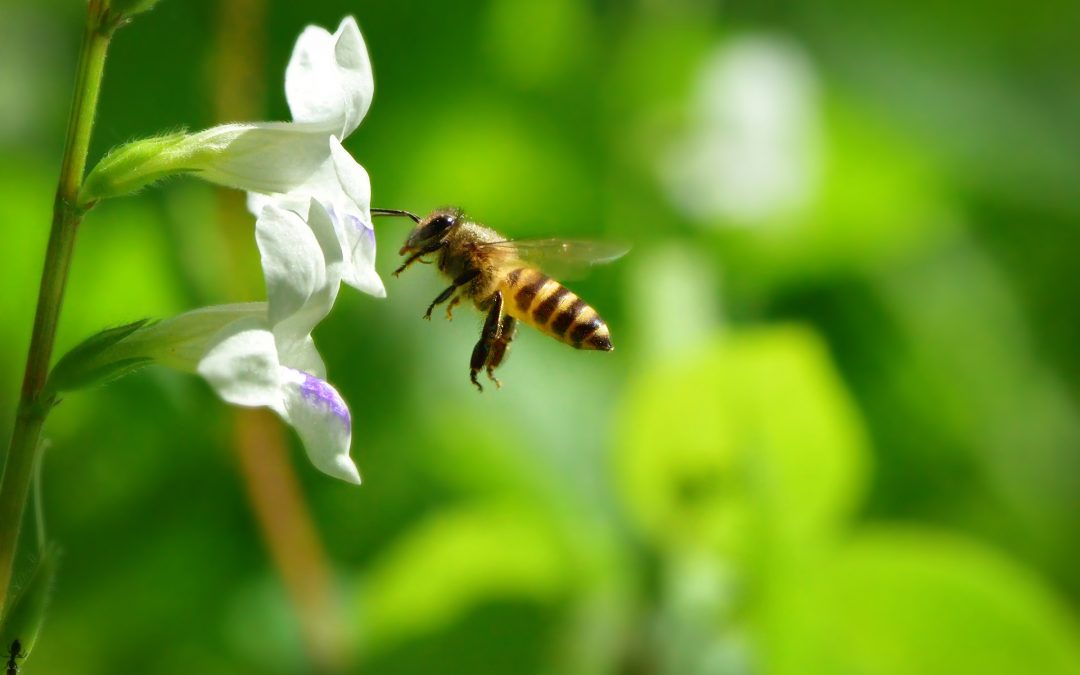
(488,337)
(501,346)
(445,295)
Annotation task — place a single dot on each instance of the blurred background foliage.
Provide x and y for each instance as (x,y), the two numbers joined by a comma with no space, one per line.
(839,434)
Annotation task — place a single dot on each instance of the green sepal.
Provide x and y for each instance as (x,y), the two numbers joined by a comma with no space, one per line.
(132,166)
(94,362)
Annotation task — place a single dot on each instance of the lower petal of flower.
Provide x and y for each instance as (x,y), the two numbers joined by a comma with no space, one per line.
(321,419)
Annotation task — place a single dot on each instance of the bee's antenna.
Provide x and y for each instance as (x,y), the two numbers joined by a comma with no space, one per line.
(395,212)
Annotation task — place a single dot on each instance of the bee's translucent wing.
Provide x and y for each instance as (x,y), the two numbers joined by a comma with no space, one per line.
(561,258)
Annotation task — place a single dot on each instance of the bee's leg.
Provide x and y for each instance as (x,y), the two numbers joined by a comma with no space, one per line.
(416,256)
(445,295)
(488,338)
(408,261)
(450,307)
(501,346)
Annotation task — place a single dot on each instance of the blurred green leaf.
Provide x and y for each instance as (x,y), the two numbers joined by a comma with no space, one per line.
(894,602)
(749,444)
(455,561)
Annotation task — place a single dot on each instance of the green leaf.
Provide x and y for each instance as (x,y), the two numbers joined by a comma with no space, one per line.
(455,561)
(898,601)
(751,445)
(87,364)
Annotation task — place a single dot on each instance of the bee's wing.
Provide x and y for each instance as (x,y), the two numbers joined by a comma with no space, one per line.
(561,258)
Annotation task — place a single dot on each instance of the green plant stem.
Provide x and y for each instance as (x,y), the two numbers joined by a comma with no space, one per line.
(34,401)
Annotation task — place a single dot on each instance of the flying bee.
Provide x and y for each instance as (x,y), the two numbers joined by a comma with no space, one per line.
(502,277)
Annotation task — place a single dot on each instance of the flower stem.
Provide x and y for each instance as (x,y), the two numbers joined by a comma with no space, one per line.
(34,401)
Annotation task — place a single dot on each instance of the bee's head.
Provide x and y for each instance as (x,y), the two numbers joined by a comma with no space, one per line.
(432,230)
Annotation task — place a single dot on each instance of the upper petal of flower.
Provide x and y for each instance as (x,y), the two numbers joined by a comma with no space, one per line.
(302,266)
(329,88)
(343,189)
(261,157)
(354,227)
(321,418)
(329,77)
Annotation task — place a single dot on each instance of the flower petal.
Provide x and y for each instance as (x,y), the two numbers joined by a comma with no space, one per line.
(182,341)
(322,420)
(302,266)
(322,227)
(343,188)
(329,77)
(303,356)
(242,366)
(264,157)
(354,227)
(292,261)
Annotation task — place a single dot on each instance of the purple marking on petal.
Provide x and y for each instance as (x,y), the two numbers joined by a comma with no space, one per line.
(368,229)
(319,392)
(359,224)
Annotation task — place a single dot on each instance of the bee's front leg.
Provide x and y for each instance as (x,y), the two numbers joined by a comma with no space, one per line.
(488,337)
(445,295)
(416,256)
(501,346)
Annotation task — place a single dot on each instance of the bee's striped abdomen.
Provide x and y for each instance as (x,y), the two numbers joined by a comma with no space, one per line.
(540,301)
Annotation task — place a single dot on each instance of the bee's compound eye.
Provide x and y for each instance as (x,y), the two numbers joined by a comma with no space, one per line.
(437,225)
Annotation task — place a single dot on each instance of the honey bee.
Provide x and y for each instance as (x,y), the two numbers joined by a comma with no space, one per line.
(503,279)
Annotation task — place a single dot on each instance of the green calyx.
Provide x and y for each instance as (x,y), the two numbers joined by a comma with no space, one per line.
(132,166)
(178,342)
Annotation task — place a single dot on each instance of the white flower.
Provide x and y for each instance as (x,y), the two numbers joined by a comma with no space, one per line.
(329,86)
(752,156)
(313,228)
(261,354)
(270,360)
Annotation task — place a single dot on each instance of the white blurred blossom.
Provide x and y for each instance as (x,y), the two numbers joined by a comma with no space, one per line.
(753,149)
